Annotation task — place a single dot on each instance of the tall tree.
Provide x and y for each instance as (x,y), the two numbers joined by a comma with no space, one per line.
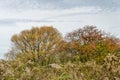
(84,36)
(91,42)
(36,42)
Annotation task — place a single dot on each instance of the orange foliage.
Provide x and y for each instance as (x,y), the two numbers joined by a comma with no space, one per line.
(91,41)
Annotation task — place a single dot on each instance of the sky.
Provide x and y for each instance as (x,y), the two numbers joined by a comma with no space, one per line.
(65,15)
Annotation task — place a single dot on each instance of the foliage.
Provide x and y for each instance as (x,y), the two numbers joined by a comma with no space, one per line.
(42,54)
(109,70)
(90,43)
(36,42)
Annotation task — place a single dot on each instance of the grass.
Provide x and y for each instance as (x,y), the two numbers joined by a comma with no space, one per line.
(90,70)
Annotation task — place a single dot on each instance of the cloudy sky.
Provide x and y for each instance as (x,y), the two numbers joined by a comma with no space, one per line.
(65,15)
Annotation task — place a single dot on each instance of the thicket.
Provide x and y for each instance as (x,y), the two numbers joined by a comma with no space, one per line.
(43,54)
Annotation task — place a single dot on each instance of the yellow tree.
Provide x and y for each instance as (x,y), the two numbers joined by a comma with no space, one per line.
(36,42)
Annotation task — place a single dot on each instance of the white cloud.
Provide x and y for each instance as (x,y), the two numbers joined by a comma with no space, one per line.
(44,14)
(13,21)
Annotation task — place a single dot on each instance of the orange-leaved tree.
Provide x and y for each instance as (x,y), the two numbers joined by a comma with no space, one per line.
(89,42)
(87,35)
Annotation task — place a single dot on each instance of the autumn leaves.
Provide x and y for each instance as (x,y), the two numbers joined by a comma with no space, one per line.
(87,43)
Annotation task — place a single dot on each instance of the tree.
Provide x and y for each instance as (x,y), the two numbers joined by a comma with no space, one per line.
(36,42)
(89,42)
(87,35)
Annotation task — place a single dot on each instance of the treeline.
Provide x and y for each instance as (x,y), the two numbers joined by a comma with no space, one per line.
(87,43)
(42,52)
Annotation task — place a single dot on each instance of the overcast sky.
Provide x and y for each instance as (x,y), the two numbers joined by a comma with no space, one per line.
(65,15)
